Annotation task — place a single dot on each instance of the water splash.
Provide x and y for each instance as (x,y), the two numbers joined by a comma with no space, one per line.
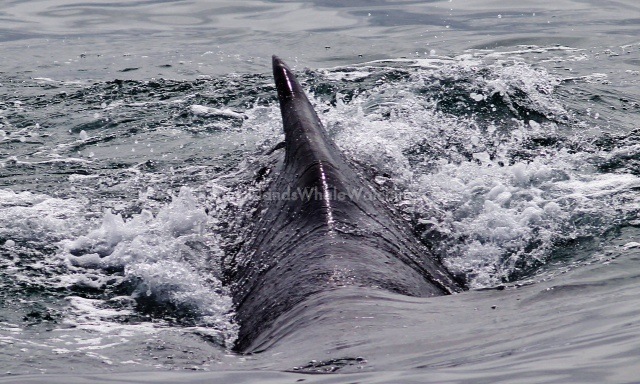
(485,160)
(169,264)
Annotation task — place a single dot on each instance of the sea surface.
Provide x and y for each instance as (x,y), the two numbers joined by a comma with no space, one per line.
(507,133)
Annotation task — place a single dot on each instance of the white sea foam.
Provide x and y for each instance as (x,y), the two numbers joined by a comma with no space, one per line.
(166,255)
(495,215)
(32,216)
(201,110)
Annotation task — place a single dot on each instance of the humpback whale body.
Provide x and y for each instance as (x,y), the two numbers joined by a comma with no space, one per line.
(321,226)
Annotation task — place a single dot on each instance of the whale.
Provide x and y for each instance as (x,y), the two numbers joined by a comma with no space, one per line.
(320,226)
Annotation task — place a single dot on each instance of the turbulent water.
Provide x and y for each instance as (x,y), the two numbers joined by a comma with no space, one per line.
(135,139)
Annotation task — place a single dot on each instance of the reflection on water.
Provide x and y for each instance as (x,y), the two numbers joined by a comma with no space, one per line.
(203,37)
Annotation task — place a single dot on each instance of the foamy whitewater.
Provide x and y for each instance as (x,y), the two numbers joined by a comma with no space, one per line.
(126,198)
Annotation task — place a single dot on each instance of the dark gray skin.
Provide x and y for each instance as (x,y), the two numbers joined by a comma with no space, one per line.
(325,241)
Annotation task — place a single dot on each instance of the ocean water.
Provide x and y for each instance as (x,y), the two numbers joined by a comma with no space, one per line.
(131,134)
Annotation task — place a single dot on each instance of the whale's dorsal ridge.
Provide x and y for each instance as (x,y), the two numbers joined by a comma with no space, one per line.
(301,245)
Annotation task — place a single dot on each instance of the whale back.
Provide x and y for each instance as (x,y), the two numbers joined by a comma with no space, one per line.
(321,227)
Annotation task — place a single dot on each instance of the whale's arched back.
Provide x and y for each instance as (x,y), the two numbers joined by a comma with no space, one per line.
(322,226)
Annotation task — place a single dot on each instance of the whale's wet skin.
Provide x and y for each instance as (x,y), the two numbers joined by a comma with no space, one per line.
(156,219)
(321,227)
